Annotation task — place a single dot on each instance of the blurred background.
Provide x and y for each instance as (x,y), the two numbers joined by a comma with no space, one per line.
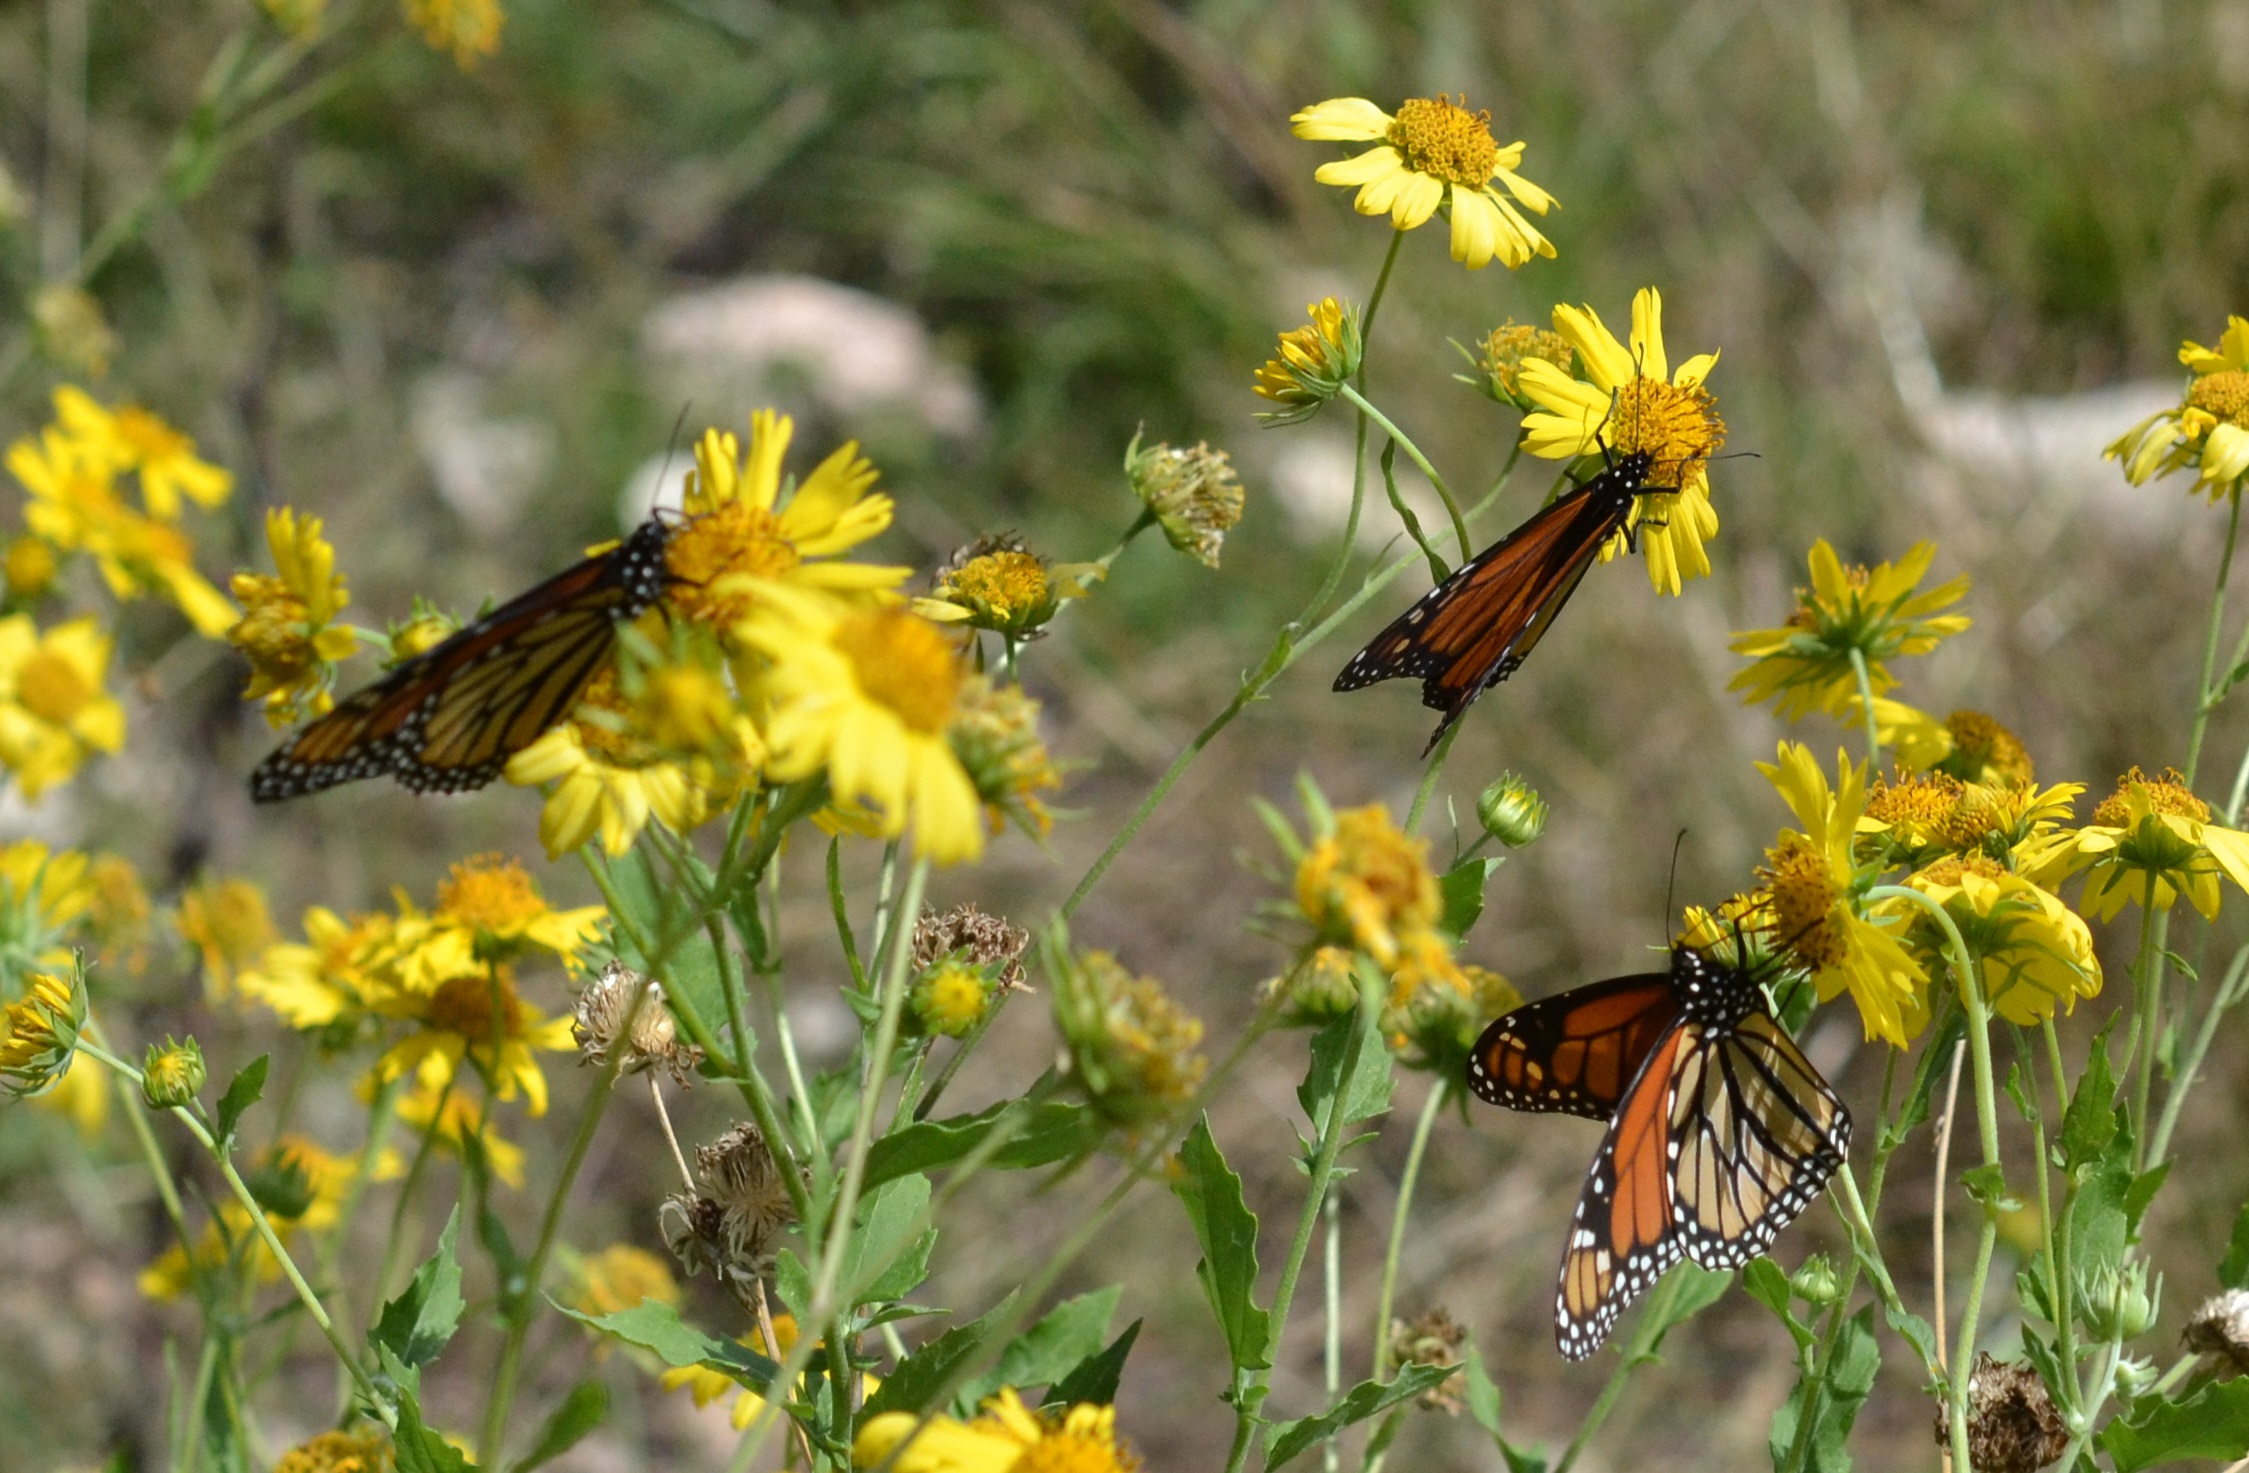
(1947,251)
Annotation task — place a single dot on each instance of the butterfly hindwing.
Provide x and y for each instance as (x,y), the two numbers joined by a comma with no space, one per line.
(1576,1053)
(448,719)
(1621,1239)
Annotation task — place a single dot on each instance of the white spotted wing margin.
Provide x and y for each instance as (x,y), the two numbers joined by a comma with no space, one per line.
(1475,628)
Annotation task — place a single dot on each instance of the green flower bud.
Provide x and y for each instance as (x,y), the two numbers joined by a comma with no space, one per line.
(172,1074)
(2118,1305)
(1511,811)
(1814,1281)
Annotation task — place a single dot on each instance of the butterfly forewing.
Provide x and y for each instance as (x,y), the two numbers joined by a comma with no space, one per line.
(1577,1053)
(1477,626)
(448,720)
(1621,1239)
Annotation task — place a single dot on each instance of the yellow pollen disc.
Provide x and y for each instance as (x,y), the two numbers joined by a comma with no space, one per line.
(605,725)
(1679,427)
(1804,904)
(2225,395)
(905,663)
(150,437)
(2167,795)
(50,688)
(1445,141)
(1949,871)
(479,1009)
(1068,1452)
(491,892)
(1007,583)
(1919,805)
(737,539)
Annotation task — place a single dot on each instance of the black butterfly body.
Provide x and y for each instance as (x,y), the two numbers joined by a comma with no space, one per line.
(448,720)
(1720,1130)
(1471,631)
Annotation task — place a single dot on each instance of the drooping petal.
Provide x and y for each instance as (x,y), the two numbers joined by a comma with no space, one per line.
(1341,120)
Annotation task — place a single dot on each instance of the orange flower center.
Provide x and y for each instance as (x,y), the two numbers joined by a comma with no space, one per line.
(738,539)
(1444,140)
(481,1008)
(1513,343)
(1677,425)
(1009,584)
(51,688)
(2224,394)
(905,663)
(2166,795)
(1805,902)
(491,892)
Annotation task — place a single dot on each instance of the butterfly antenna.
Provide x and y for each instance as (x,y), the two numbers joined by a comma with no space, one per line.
(671,443)
(1671,884)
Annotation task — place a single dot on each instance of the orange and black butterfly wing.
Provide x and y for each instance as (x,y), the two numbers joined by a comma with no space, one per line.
(1576,1053)
(1757,1134)
(1476,627)
(448,720)
(1622,1235)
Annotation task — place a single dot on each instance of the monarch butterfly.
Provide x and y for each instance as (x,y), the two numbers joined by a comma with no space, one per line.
(1471,631)
(1720,1130)
(448,719)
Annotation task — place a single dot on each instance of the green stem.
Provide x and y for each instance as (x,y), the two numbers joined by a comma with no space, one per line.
(1421,794)
(1423,1127)
(2228,994)
(520,1313)
(1413,453)
(2058,1245)
(396,1237)
(2140,1039)
(2204,702)
(1331,1276)
(1866,707)
(1637,1355)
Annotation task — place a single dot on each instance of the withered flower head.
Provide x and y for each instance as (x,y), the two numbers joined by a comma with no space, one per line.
(732,1227)
(968,933)
(2221,1329)
(601,1015)
(2012,1424)
(1433,1340)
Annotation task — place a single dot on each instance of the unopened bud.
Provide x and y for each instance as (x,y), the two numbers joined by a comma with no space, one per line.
(1511,811)
(1814,1281)
(172,1074)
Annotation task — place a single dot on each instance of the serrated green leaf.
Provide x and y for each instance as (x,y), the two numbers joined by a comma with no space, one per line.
(915,1383)
(2090,1122)
(1463,891)
(417,1324)
(1095,1378)
(418,1449)
(1367,1092)
(1916,1332)
(1986,1186)
(1837,1396)
(1226,1231)
(1483,1395)
(654,1325)
(2233,1269)
(242,1092)
(893,1241)
(1064,1336)
(2213,1423)
(1362,1401)
(1763,1281)
(1040,1135)
(585,1408)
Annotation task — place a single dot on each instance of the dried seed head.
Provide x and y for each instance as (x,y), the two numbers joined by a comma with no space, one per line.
(984,940)
(732,1227)
(1433,1340)
(601,1015)
(2012,1424)
(2220,1329)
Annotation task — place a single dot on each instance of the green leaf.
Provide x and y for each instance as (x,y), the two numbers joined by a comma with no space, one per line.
(2100,1226)
(1463,889)
(1226,1230)
(2025,1106)
(1841,1391)
(2090,1122)
(1763,1281)
(2213,1423)
(585,1408)
(1040,1135)
(1936,1063)
(1050,1349)
(915,1383)
(1483,1395)
(1692,1290)
(2142,1192)
(417,1324)
(491,1233)
(1359,1403)
(2233,1269)
(420,1450)
(656,1326)
(1987,1187)
(1367,1092)
(1095,1378)
(792,1283)
(241,1093)
(659,911)
(892,1241)
(1916,1332)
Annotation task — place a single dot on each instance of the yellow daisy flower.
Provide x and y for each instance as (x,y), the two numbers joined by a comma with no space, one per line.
(1805,665)
(39,1032)
(2209,429)
(1310,365)
(1434,153)
(998,583)
(706,1385)
(365,1450)
(136,440)
(478,1017)
(608,781)
(1364,882)
(1630,401)
(288,626)
(1007,1437)
(868,695)
(53,710)
(74,506)
(494,899)
(2033,953)
(227,922)
(460,1119)
(741,536)
(327,978)
(1815,886)
(1918,740)
(2149,842)
(469,29)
